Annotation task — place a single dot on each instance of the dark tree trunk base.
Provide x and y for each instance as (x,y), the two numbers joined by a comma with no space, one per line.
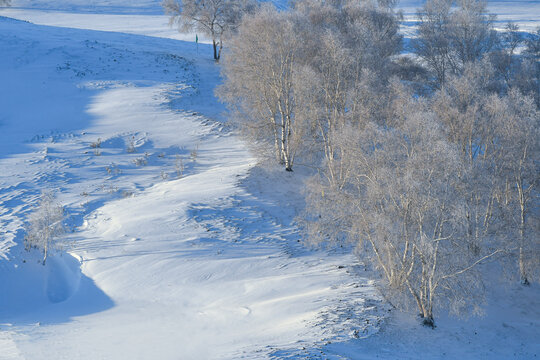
(215,50)
(428,321)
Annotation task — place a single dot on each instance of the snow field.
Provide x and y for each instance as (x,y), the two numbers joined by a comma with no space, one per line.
(149,25)
(192,266)
(156,266)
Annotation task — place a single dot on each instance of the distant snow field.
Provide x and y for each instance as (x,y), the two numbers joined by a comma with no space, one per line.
(525,13)
(179,246)
(148,25)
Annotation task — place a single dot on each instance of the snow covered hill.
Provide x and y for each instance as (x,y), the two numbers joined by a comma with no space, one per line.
(179,247)
(147,7)
(169,255)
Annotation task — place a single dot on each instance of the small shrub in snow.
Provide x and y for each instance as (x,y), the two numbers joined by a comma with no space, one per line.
(112,169)
(131,147)
(126,194)
(140,161)
(179,166)
(44,226)
(194,153)
(96,144)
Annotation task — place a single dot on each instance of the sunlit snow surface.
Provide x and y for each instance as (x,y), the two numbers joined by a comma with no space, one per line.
(174,250)
(525,13)
(183,248)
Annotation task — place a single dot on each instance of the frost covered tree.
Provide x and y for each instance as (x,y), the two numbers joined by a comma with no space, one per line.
(323,97)
(517,122)
(433,43)
(258,83)
(449,37)
(426,188)
(369,29)
(213,18)
(294,77)
(498,139)
(402,209)
(532,55)
(504,58)
(516,69)
(346,43)
(471,31)
(461,106)
(5,2)
(533,45)
(45,225)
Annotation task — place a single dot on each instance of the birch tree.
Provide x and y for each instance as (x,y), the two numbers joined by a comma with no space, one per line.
(433,43)
(461,108)
(404,209)
(258,83)
(532,54)
(213,18)
(345,43)
(323,96)
(498,138)
(518,131)
(449,38)
(471,31)
(45,225)
(504,59)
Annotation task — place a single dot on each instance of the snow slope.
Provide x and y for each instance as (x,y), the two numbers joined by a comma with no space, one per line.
(205,265)
(159,266)
(140,24)
(147,7)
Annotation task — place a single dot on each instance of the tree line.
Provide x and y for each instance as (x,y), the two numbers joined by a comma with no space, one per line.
(426,158)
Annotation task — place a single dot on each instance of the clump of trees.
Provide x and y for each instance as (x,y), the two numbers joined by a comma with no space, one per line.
(260,82)
(528,79)
(216,19)
(450,36)
(5,2)
(428,165)
(293,77)
(427,207)
(45,226)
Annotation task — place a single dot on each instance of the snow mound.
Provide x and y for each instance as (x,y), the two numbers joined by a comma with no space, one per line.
(63,278)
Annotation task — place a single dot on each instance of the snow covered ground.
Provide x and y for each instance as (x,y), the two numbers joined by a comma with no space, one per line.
(171,257)
(525,13)
(179,247)
(148,25)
